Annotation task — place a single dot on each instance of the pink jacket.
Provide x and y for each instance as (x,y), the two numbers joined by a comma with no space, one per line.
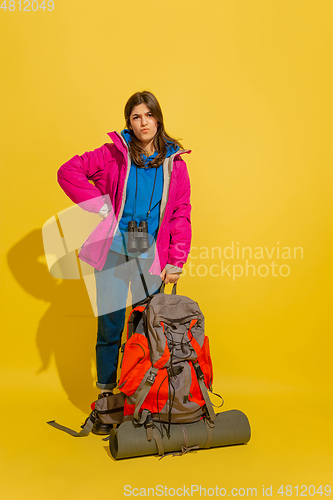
(108,167)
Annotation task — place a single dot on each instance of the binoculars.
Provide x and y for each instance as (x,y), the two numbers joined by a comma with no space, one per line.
(137,237)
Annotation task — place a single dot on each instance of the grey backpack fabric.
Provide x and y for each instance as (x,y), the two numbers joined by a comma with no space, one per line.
(177,360)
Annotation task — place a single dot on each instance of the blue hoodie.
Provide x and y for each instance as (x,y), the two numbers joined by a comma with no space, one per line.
(138,210)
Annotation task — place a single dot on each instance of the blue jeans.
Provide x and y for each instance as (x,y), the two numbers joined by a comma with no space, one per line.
(112,286)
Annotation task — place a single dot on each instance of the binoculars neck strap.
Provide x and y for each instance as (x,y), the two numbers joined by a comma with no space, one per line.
(136,192)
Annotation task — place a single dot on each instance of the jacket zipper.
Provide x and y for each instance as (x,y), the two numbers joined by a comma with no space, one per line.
(166,206)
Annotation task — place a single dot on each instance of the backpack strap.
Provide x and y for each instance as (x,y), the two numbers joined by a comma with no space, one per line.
(143,393)
(141,276)
(173,291)
(86,428)
(200,377)
(187,383)
(185,447)
(158,441)
(135,317)
(209,429)
(152,432)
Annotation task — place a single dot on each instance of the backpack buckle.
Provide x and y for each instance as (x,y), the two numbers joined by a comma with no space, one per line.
(198,371)
(151,378)
(149,421)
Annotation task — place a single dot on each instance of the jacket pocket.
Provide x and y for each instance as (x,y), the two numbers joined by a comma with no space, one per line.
(135,364)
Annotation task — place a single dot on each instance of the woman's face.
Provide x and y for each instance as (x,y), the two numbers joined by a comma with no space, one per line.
(143,123)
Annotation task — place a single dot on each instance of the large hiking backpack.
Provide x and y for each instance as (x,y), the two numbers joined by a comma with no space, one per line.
(166,371)
(166,367)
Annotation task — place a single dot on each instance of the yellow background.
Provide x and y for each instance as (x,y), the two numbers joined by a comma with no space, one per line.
(247,86)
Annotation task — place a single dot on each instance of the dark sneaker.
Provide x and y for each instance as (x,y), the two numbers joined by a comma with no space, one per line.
(105,394)
(100,428)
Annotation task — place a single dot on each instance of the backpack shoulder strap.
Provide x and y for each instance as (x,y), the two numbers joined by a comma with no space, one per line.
(134,319)
(144,391)
(200,377)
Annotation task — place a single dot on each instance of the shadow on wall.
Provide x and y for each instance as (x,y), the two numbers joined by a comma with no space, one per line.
(68,329)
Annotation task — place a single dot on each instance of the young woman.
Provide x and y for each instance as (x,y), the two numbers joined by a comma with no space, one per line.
(141,189)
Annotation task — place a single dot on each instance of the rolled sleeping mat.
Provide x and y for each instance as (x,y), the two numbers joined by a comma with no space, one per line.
(231,427)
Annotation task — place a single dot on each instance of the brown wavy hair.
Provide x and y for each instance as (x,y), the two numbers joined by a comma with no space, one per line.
(135,147)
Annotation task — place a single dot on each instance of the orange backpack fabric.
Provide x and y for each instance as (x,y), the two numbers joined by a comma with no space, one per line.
(166,367)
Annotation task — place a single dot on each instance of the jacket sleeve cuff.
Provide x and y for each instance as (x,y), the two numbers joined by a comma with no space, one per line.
(171,269)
